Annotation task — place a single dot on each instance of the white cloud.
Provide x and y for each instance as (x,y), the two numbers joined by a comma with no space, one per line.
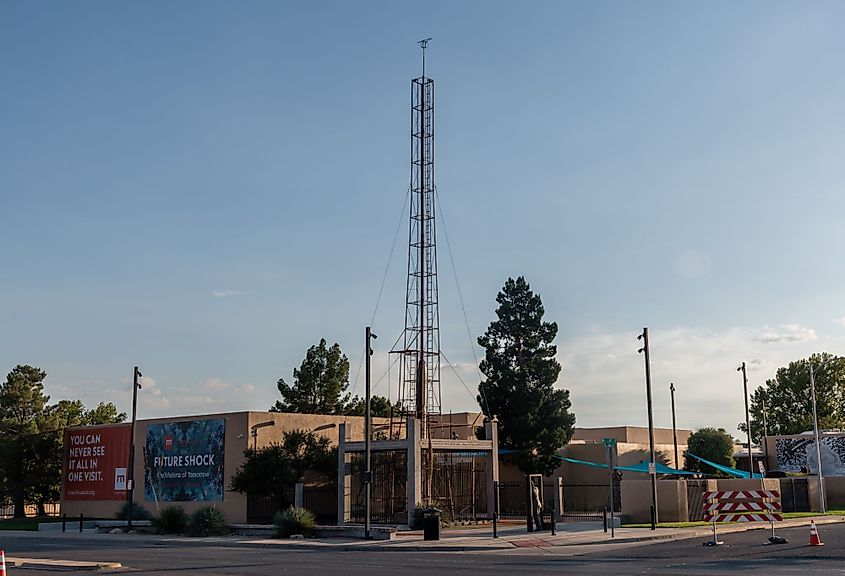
(224,293)
(788,333)
(840,321)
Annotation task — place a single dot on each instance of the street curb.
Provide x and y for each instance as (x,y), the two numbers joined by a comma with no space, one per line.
(63,565)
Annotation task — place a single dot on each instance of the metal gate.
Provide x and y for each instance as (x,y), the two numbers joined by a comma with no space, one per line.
(389,501)
(695,499)
(793,495)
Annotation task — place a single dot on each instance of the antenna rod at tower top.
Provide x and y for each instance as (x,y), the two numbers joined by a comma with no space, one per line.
(423,44)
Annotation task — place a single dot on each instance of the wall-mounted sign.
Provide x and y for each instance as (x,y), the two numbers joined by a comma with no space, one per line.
(95,462)
(183,461)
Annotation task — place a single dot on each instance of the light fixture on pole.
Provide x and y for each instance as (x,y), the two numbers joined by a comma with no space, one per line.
(652,471)
(130,473)
(254,431)
(819,475)
(674,427)
(368,426)
(747,419)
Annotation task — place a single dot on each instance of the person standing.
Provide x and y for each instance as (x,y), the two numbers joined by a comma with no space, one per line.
(536,506)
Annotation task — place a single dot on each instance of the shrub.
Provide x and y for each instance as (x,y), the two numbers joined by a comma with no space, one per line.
(294,521)
(138,512)
(208,521)
(171,520)
(419,511)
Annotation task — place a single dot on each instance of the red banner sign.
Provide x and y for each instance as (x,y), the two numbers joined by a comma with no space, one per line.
(95,462)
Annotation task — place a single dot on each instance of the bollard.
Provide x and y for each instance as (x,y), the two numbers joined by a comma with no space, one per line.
(553,520)
(604,517)
(64,522)
(495,507)
(80,521)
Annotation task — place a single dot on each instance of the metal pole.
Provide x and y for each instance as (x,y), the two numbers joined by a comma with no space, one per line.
(610,467)
(674,427)
(130,474)
(652,471)
(368,474)
(819,476)
(765,433)
(747,419)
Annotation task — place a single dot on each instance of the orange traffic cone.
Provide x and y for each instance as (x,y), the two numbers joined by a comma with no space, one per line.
(2,563)
(814,536)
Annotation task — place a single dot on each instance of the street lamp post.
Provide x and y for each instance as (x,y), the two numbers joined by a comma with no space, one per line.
(765,432)
(368,426)
(130,474)
(819,476)
(652,472)
(747,419)
(674,427)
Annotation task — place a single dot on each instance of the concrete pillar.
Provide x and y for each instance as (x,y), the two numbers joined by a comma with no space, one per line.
(558,488)
(298,496)
(491,432)
(343,478)
(414,467)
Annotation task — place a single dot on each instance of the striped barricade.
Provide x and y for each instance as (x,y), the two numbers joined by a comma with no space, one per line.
(741,506)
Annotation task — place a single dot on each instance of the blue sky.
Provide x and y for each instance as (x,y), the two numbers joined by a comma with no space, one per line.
(208,188)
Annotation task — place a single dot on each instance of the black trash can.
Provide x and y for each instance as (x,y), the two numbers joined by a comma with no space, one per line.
(431,524)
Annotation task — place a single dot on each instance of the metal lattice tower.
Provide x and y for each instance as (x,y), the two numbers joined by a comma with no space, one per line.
(419,377)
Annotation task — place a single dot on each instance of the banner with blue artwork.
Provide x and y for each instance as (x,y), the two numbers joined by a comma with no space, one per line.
(183,461)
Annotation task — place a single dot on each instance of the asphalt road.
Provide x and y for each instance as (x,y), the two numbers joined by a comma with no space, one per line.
(743,552)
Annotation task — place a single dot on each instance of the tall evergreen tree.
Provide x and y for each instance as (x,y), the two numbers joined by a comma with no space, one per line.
(22,419)
(318,385)
(521,370)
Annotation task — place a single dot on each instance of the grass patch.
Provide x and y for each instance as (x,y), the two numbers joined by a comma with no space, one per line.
(30,523)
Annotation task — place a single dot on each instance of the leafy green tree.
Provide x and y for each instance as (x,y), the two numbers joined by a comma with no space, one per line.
(379,406)
(319,383)
(274,469)
(521,370)
(104,413)
(789,408)
(712,444)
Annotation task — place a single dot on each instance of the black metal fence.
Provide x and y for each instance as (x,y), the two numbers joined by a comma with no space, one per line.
(260,508)
(581,502)
(587,502)
(320,500)
(794,496)
(389,502)
(459,484)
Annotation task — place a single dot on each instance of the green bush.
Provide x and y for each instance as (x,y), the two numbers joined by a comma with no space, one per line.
(208,521)
(138,512)
(294,521)
(171,520)
(419,511)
